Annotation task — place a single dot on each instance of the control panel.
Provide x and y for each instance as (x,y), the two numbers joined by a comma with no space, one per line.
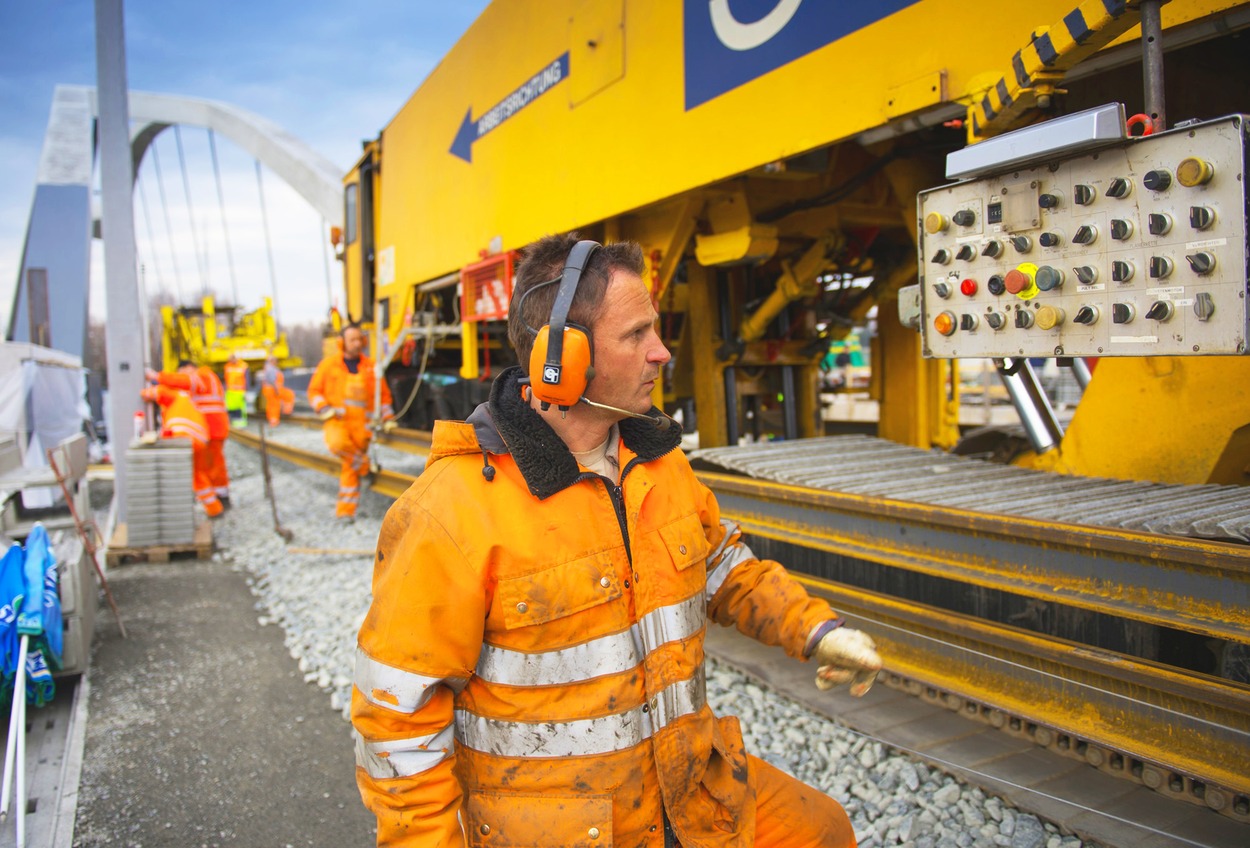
(1138,249)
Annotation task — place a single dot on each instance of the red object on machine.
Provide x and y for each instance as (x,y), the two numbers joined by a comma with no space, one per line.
(486,288)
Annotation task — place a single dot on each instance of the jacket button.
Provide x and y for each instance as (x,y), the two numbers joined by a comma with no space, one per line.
(522,607)
(682,549)
(593,833)
(605,582)
(485,829)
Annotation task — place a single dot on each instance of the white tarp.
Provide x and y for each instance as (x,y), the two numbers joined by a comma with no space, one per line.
(42,402)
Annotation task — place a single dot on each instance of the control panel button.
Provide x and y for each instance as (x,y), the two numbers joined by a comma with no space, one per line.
(1193,171)
(967,253)
(964,217)
(1020,281)
(1087,315)
(1083,195)
(1161,310)
(968,321)
(1202,262)
(1121,229)
(1160,267)
(942,290)
(968,287)
(1157,180)
(1050,239)
(1049,317)
(1204,306)
(995,286)
(995,320)
(944,323)
(1119,187)
(1024,319)
(1201,217)
(1086,275)
(1049,278)
(935,222)
(1158,223)
(1122,313)
(1085,234)
(1022,244)
(941,257)
(1122,270)
(1050,200)
(993,249)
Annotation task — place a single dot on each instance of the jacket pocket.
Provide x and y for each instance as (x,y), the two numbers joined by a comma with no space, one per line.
(514,820)
(685,542)
(558,591)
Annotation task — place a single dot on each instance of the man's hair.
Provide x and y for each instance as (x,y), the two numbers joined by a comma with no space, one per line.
(543,261)
(183,363)
(352,325)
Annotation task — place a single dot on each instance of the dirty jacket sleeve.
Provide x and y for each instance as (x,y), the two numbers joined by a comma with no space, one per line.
(416,649)
(317,386)
(757,596)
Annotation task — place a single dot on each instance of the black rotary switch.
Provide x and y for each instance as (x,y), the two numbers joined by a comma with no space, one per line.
(1204,306)
(964,217)
(1157,180)
(1086,315)
(1119,187)
(1022,244)
(941,257)
(1085,234)
(1122,313)
(967,253)
(1122,271)
(1087,275)
(1201,217)
(1202,262)
(993,249)
(1024,319)
(1121,229)
(995,320)
(1049,239)
(1160,310)
(1083,194)
(968,321)
(1048,201)
(942,290)
(1160,267)
(1159,223)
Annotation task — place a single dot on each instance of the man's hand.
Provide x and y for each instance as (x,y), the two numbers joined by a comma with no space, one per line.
(151,375)
(845,655)
(327,413)
(389,424)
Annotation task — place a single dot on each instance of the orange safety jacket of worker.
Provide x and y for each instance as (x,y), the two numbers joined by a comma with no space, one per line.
(531,666)
(207,394)
(347,435)
(180,419)
(236,376)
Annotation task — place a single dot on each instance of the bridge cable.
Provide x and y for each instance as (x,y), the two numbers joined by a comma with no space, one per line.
(264,218)
(169,230)
(147,221)
(200,259)
(221,204)
(325,257)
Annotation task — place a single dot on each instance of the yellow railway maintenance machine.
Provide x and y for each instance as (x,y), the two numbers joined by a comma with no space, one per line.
(210,334)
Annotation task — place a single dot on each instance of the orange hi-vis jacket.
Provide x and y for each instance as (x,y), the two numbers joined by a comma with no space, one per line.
(352,394)
(530,671)
(236,376)
(179,417)
(208,395)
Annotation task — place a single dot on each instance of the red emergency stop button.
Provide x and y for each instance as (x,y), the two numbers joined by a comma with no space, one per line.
(968,287)
(1021,281)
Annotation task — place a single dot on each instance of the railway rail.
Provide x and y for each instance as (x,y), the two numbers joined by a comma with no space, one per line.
(1182,733)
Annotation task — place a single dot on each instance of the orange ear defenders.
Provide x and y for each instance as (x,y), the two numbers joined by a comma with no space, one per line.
(562,359)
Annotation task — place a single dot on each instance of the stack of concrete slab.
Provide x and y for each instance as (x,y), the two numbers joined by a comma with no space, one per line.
(160,502)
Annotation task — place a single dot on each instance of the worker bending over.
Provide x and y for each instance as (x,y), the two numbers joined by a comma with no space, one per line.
(278,398)
(208,396)
(530,671)
(235,373)
(342,393)
(181,420)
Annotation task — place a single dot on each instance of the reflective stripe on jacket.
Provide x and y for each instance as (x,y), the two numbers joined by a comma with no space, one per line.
(531,667)
(207,395)
(236,376)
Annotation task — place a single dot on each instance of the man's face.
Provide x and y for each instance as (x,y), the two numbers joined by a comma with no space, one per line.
(628,350)
(353,343)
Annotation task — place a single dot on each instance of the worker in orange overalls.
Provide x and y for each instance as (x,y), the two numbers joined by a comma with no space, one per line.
(181,420)
(236,390)
(209,398)
(342,393)
(278,398)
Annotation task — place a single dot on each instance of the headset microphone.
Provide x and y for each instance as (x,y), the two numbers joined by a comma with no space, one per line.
(661,423)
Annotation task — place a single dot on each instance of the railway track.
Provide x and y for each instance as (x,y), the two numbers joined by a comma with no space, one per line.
(1183,734)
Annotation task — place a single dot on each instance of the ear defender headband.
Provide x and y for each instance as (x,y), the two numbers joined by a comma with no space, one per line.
(562,360)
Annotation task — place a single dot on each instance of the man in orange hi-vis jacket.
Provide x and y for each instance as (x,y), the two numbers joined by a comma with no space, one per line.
(181,420)
(208,396)
(235,372)
(278,398)
(342,393)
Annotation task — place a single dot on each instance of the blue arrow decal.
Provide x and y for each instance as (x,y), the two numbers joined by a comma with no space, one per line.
(525,94)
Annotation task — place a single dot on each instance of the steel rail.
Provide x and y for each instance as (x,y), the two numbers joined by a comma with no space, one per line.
(1184,734)
(1193,585)
(401,438)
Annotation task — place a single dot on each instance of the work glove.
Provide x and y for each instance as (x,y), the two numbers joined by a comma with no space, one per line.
(845,655)
(328,413)
(389,424)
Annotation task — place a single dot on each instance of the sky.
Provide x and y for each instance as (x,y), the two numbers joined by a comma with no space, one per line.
(331,74)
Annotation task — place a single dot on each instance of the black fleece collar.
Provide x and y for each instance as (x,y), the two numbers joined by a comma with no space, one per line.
(507,424)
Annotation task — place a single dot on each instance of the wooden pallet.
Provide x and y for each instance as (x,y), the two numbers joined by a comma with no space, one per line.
(201,547)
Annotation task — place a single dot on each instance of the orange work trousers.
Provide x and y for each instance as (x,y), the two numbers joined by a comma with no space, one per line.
(202,479)
(348,439)
(791,814)
(218,476)
(277,402)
